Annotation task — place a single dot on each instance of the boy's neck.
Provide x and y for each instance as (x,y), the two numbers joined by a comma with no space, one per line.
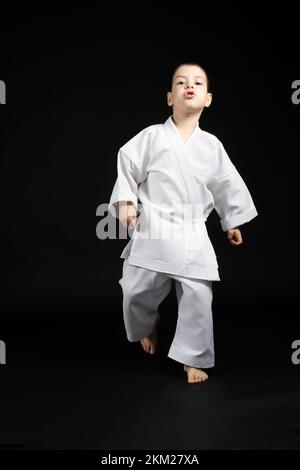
(186,121)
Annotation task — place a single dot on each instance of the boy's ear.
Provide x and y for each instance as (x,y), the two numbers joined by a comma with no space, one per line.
(169,99)
(208,100)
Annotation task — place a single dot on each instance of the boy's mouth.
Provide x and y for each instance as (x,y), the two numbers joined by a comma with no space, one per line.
(189,94)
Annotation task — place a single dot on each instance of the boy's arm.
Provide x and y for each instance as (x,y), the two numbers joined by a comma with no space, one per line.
(233,201)
(132,171)
(125,191)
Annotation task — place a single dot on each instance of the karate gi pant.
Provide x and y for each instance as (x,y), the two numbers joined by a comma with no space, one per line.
(144,290)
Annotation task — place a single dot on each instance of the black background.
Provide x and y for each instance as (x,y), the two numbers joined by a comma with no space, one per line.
(80,83)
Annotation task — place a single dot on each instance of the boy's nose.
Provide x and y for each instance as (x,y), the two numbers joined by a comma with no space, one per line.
(189,86)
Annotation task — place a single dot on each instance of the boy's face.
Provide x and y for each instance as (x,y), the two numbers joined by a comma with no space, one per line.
(189,89)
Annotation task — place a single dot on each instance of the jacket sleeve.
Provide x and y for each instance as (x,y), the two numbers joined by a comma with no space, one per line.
(232,199)
(126,185)
(131,170)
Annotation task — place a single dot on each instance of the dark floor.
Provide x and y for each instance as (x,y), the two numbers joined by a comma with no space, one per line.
(74,382)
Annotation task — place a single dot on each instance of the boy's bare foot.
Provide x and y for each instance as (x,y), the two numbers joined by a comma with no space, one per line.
(195,375)
(149,342)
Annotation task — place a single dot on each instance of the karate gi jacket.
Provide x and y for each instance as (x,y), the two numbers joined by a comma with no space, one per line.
(178,184)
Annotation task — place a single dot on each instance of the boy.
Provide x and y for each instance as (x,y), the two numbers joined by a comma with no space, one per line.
(180,174)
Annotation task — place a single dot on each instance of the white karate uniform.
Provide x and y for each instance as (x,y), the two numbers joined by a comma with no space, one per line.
(144,290)
(178,185)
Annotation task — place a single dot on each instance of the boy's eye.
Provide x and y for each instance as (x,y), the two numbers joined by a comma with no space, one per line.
(181,82)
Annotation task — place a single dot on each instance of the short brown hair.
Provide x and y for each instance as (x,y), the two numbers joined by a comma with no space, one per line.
(189,63)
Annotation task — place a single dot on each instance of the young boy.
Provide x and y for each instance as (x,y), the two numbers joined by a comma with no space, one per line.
(179,173)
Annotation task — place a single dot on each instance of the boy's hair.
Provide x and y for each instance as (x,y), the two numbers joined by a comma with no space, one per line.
(189,63)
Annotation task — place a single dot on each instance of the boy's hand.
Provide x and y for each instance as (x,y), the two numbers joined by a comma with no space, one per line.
(234,236)
(127,214)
